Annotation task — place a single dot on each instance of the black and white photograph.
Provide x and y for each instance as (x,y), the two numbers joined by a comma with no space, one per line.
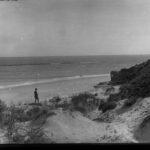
(74,71)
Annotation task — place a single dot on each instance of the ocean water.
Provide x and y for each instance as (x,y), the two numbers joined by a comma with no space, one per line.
(23,71)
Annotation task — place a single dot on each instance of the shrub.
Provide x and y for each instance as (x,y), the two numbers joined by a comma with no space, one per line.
(139,87)
(135,81)
(30,135)
(10,124)
(55,99)
(129,102)
(124,76)
(64,106)
(127,75)
(35,135)
(114,97)
(12,116)
(105,106)
(3,107)
(84,102)
(109,90)
(35,112)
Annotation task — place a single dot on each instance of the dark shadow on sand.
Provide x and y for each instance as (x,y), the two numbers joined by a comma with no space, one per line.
(142,134)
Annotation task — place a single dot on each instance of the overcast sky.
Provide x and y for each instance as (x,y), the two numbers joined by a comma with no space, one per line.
(74,27)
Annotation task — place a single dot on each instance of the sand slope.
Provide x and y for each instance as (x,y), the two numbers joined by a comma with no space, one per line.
(74,127)
(66,127)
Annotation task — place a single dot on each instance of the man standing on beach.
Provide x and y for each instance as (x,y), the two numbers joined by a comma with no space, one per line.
(36,95)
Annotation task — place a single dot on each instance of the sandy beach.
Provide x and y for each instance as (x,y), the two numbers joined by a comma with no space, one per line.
(46,90)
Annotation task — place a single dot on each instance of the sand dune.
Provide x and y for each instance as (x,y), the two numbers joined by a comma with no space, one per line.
(74,128)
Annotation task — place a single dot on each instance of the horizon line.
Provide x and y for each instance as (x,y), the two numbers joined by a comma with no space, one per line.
(77,55)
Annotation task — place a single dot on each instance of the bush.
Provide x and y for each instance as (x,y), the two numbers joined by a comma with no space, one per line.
(18,113)
(35,135)
(114,97)
(139,87)
(135,81)
(129,102)
(84,102)
(3,108)
(109,90)
(13,116)
(127,75)
(105,106)
(30,135)
(36,112)
(10,124)
(64,106)
(55,99)
(33,111)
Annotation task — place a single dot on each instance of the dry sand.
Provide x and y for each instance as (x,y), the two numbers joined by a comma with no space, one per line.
(47,90)
(67,127)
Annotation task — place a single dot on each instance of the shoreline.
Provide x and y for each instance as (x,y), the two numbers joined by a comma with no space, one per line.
(52,80)
(47,90)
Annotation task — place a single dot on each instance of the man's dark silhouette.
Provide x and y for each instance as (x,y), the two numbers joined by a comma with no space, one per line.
(36,95)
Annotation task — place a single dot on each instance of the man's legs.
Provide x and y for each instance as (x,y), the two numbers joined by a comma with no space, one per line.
(38,100)
(35,99)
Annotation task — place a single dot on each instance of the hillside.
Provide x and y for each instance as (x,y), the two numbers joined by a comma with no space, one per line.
(127,75)
(134,81)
